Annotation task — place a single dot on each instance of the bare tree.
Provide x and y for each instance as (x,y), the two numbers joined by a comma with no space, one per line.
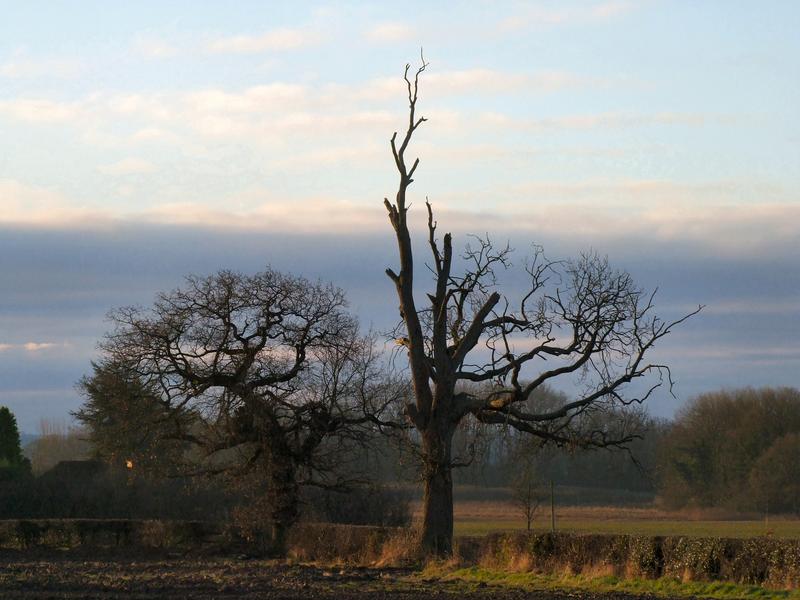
(526,489)
(587,317)
(266,374)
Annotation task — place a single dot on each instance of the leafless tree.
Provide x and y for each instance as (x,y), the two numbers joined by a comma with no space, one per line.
(271,372)
(582,315)
(526,489)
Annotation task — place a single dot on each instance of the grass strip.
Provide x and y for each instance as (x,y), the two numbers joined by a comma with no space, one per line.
(664,587)
(789,529)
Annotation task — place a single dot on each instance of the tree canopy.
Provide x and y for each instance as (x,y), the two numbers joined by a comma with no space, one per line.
(729,448)
(266,374)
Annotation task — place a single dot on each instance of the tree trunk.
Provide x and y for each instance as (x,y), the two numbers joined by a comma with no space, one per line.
(283,494)
(437,524)
(277,541)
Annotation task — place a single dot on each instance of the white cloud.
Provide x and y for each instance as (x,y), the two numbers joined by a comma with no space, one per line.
(489,81)
(256,99)
(659,212)
(38,346)
(466,81)
(154,134)
(332,155)
(275,40)
(608,120)
(607,10)
(151,47)
(37,110)
(263,212)
(22,67)
(717,216)
(32,347)
(389,32)
(127,166)
(22,204)
(277,108)
(566,14)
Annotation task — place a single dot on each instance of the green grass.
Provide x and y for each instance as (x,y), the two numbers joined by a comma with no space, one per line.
(732,529)
(665,587)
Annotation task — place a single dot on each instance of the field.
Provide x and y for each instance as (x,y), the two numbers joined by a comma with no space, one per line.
(53,576)
(481,517)
(190,572)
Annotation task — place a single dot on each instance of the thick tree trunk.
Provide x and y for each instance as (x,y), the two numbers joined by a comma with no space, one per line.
(278,536)
(283,495)
(437,523)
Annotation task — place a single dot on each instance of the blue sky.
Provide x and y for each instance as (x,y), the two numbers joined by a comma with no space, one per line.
(143,141)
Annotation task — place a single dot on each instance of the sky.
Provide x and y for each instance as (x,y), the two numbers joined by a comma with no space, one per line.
(141,142)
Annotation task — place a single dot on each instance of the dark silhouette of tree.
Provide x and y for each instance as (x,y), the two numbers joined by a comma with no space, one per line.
(12,462)
(126,422)
(267,374)
(775,476)
(718,451)
(577,317)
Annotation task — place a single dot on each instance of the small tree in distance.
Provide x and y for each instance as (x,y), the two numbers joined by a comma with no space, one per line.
(526,490)
(582,316)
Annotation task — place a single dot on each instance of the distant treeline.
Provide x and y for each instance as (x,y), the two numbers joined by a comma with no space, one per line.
(733,449)
(737,449)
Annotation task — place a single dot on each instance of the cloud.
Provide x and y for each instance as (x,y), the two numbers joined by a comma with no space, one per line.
(607,10)
(309,215)
(478,81)
(499,82)
(270,113)
(154,48)
(275,40)
(38,110)
(32,347)
(745,353)
(154,134)
(690,218)
(727,217)
(756,306)
(389,32)
(539,16)
(28,205)
(607,120)
(127,166)
(38,346)
(22,67)
(89,271)
(256,99)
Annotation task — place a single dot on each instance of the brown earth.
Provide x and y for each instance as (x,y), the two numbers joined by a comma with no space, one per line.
(53,575)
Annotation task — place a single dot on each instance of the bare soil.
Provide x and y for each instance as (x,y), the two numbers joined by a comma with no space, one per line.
(54,575)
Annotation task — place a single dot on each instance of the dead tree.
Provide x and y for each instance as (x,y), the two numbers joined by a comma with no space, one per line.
(267,373)
(575,317)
